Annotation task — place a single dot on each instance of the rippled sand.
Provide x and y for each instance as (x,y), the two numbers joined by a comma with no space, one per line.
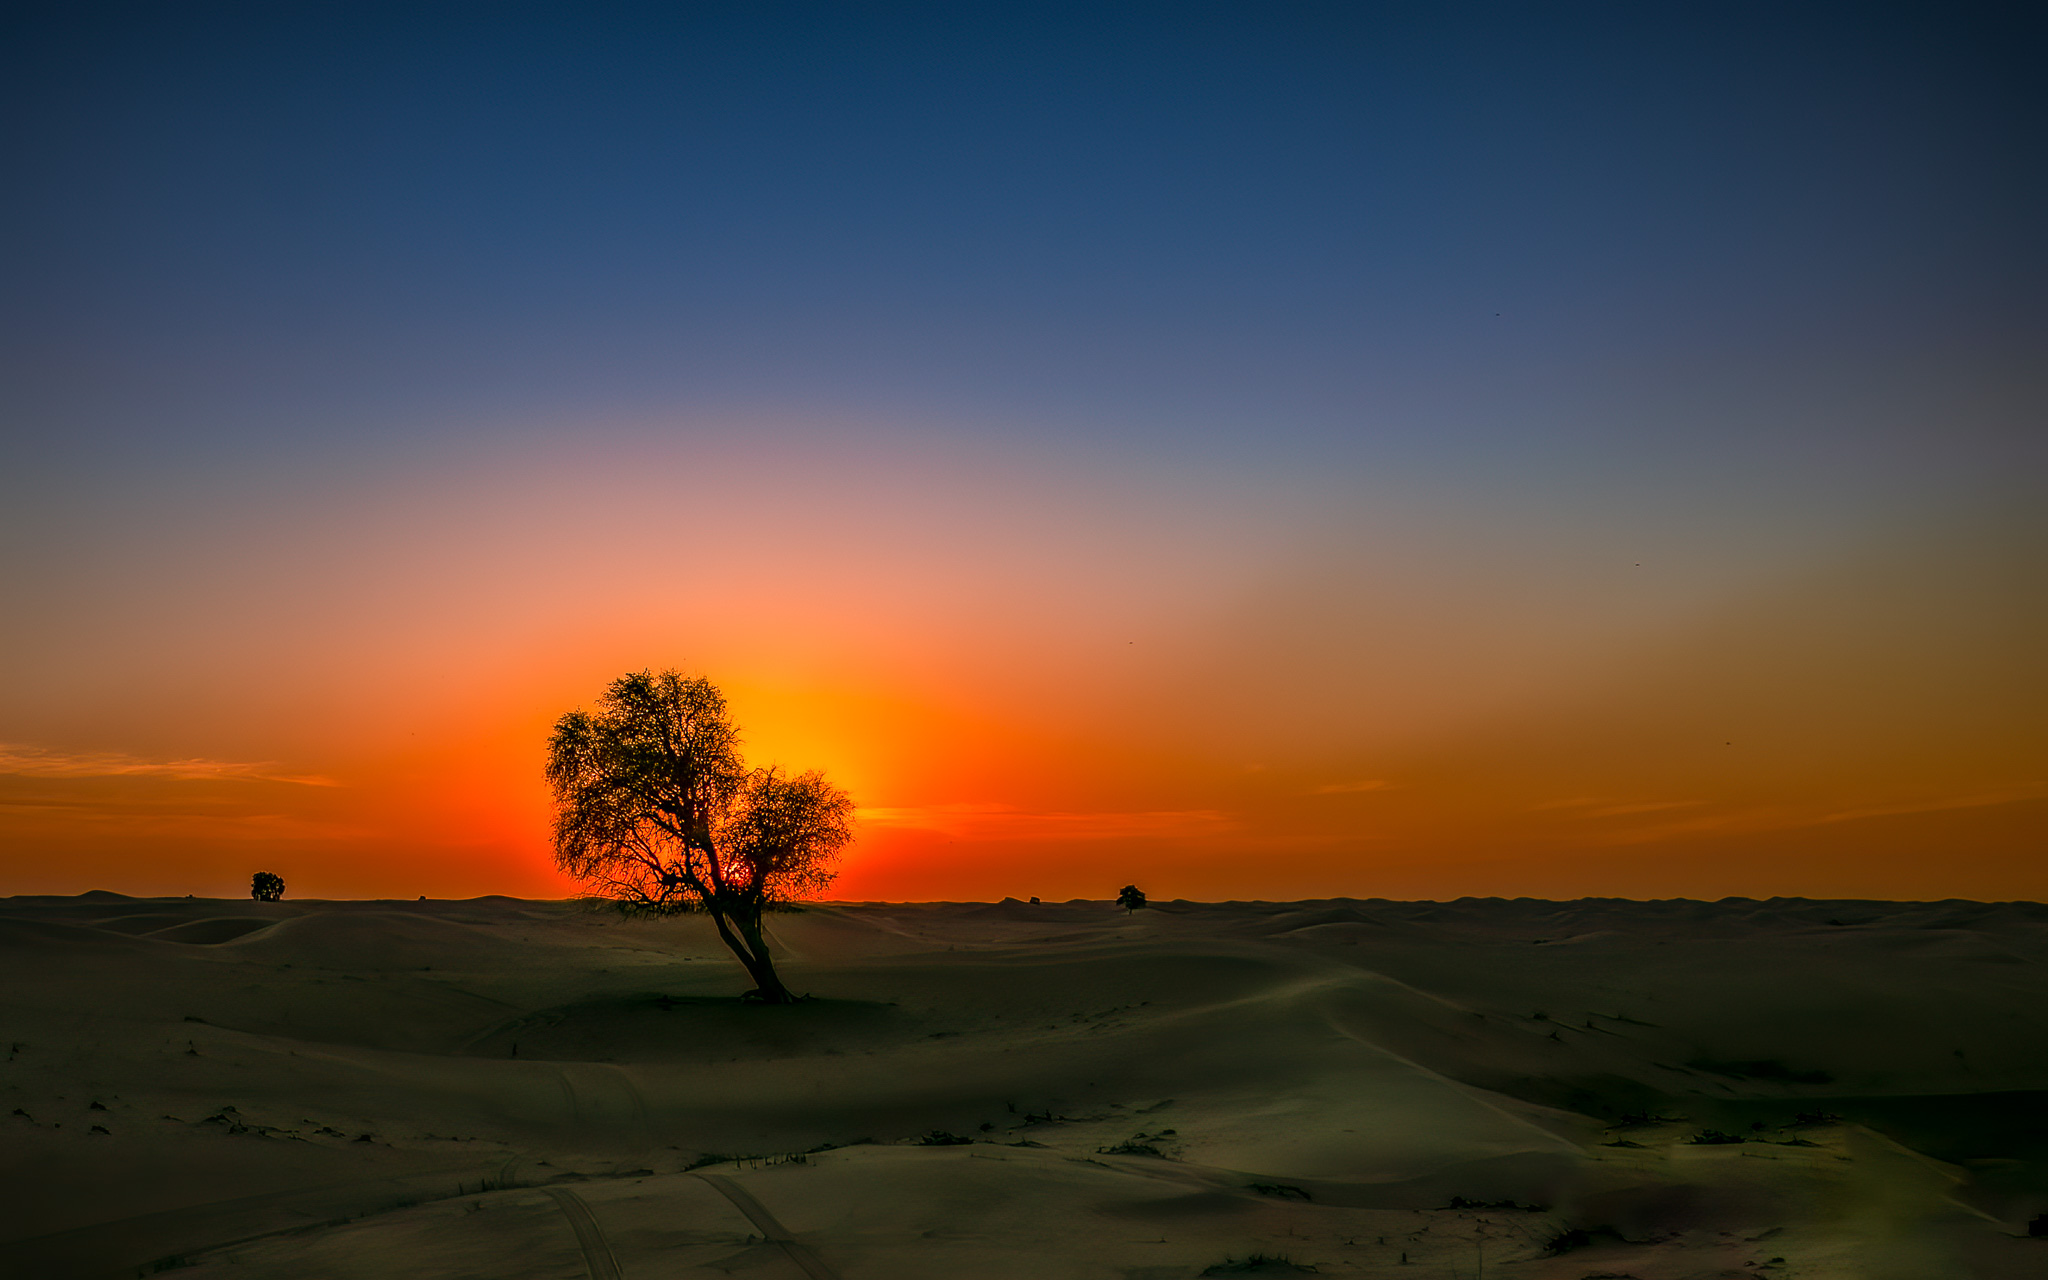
(501,1088)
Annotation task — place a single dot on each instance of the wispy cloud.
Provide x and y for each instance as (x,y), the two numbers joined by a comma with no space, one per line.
(1937,804)
(1350,788)
(1005,822)
(1642,806)
(73,817)
(25,760)
(1787,817)
(1608,807)
(1750,820)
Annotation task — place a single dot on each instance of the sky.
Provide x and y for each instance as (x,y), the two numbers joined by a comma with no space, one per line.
(1255,450)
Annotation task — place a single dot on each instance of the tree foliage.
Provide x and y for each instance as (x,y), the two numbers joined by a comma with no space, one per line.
(1131,898)
(655,807)
(266,886)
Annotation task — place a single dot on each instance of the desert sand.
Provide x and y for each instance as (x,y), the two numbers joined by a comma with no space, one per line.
(519,1089)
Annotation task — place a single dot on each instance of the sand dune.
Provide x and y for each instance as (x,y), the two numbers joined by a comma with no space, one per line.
(529,1089)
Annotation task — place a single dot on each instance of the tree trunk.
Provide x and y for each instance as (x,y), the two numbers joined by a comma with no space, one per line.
(768,986)
(739,925)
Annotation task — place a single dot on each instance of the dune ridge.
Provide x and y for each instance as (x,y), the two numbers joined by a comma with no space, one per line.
(519,1088)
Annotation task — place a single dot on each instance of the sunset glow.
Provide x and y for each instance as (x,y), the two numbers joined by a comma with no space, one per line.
(1327,482)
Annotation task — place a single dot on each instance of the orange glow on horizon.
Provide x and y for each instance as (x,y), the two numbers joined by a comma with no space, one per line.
(1057,703)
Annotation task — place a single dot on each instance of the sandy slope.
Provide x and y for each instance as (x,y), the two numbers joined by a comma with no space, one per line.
(498,1088)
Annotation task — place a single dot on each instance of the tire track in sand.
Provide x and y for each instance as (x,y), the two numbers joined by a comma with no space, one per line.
(636,1101)
(587,1103)
(771,1230)
(597,1255)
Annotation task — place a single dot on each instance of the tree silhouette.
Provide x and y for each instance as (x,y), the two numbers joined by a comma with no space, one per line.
(1131,898)
(654,807)
(266,887)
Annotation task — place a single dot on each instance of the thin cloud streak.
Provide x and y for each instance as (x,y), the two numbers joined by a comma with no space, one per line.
(1003,822)
(1351,788)
(1982,800)
(1597,807)
(26,760)
(1780,817)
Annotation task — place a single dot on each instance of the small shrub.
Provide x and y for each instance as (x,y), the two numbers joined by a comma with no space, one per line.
(1715,1138)
(1581,1238)
(1259,1264)
(1511,1206)
(1768,1070)
(266,886)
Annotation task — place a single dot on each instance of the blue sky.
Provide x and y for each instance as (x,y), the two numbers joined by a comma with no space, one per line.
(1408,321)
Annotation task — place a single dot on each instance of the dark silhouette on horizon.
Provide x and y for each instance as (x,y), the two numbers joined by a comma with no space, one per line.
(265,886)
(655,808)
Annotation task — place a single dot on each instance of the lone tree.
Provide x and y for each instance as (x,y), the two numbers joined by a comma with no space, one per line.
(1131,898)
(265,886)
(655,808)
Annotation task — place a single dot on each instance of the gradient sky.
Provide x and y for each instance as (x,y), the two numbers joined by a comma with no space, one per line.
(1255,450)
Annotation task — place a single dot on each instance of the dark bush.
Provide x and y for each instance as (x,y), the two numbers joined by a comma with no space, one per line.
(1258,1264)
(1460,1202)
(1581,1238)
(1767,1070)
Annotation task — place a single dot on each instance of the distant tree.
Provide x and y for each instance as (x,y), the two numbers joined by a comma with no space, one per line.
(655,808)
(1131,898)
(265,887)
